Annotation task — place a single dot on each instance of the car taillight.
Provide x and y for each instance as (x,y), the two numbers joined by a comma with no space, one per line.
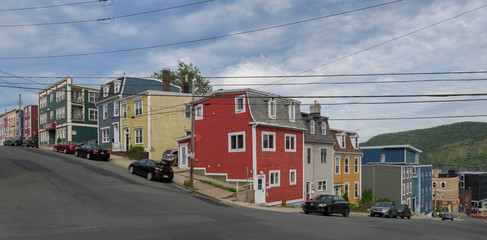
(171,170)
(95,151)
(157,169)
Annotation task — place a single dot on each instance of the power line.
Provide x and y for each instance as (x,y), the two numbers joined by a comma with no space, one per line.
(198,40)
(406,118)
(53,6)
(102,19)
(383,43)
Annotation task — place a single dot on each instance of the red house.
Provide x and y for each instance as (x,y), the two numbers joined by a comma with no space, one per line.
(31,113)
(236,130)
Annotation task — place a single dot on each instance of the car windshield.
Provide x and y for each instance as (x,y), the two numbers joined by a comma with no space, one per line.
(400,206)
(384,204)
(325,198)
(74,143)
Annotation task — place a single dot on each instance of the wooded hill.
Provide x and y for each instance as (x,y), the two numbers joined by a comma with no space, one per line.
(461,146)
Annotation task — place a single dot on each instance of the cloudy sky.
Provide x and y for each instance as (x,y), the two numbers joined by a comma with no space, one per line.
(303,38)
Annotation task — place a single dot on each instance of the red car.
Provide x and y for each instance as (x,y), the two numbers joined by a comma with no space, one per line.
(66,146)
(478,214)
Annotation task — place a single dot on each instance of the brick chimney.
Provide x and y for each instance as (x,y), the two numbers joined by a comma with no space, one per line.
(166,80)
(315,109)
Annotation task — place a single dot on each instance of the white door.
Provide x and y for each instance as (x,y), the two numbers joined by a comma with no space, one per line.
(116,137)
(260,189)
(183,156)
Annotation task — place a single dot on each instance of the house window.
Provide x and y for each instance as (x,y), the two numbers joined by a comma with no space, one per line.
(272,109)
(240,104)
(346,165)
(443,185)
(323,128)
(323,155)
(356,190)
(274,178)
(138,108)
(199,112)
(290,143)
(346,188)
(105,111)
(442,194)
(357,164)
(322,185)
(105,90)
(93,114)
(105,135)
(124,111)
(337,165)
(51,98)
(292,113)
(51,114)
(268,141)
(342,141)
(292,177)
(434,184)
(312,126)
(236,142)
(187,111)
(116,86)
(308,155)
(116,108)
(92,97)
(139,139)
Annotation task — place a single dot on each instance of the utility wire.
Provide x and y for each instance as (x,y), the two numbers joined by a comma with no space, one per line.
(52,6)
(382,43)
(102,19)
(198,40)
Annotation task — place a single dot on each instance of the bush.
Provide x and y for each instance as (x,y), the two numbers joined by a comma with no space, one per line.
(354,205)
(136,148)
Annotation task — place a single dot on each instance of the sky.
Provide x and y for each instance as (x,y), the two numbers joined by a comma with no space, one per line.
(347,55)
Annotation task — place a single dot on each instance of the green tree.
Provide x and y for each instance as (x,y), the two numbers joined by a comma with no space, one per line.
(178,77)
(345,196)
(367,197)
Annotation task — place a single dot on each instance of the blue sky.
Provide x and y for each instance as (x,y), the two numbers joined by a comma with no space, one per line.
(356,42)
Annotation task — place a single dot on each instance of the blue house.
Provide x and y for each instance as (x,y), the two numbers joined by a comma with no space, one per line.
(422,174)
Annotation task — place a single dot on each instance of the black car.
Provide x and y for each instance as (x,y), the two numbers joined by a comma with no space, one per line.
(90,151)
(152,169)
(327,205)
(170,156)
(447,216)
(403,211)
(7,141)
(387,209)
(17,141)
(30,142)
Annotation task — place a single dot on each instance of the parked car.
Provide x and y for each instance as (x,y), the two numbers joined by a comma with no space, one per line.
(478,214)
(66,146)
(90,151)
(327,205)
(17,141)
(387,209)
(7,141)
(403,211)
(170,156)
(447,216)
(30,142)
(152,169)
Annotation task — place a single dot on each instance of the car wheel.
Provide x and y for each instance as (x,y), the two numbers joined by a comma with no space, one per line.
(346,213)
(149,176)
(54,149)
(328,211)
(372,215)
(306,212)
(65,151)
(76,153)
(389,214)
(131,170)
(402,217)
(409,216)
(452,219)
(88,156)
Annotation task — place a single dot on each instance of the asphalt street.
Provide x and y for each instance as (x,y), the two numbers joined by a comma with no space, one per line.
(47,195)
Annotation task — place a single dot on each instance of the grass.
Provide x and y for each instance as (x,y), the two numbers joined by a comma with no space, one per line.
(217,185)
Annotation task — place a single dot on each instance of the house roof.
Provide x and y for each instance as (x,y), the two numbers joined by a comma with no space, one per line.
(348,143)
(317,137)
(394,146)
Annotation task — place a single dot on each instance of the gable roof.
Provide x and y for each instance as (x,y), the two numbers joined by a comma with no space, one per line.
(348,143)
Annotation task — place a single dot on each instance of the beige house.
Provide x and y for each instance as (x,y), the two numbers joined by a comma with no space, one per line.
(445,190)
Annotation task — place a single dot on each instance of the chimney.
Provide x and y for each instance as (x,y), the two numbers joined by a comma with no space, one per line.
(166,80)
(315,109)
(186,85)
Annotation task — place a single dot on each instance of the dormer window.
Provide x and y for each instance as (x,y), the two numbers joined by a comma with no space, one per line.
(312,126)
(116,86)
(292,112)
(354,141)
(323,128)
(341,141)
(240,104)
(272,108)
(105,90)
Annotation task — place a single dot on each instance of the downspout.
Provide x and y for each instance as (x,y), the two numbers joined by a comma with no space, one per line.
(254,156)
(149,122)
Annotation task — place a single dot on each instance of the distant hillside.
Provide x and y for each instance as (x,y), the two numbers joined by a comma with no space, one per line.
(460,145)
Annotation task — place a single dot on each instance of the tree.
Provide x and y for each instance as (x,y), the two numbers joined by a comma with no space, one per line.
(367,197)
(178,77)
(345,196)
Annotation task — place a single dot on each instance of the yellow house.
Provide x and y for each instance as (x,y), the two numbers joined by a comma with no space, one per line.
(12,123)
(153,119)
(347,171)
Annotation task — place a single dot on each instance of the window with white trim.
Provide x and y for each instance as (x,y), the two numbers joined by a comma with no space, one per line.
(323,155)
(240,104)
(357,165)
(92,97)
(268,141)
(346,165)
(139,137)
(323,128)
(106,89)
(105,111)
(347,187)
(312,126)
(292,177)
(124,111)
(236,142)
(274,178)
(116,86)
(105,135)
(290,143)
(337,165)
(272,108)
(322,185)
(356,190)
(292,112)
(342,141)
(116,108)
(187,111)
(198,112)
(93,114)
(308,155)
(138,108)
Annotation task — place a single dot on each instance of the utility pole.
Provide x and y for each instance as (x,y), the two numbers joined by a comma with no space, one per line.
(192,132)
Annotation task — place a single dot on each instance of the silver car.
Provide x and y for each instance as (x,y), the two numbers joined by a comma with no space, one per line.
(387,209)
(170,156)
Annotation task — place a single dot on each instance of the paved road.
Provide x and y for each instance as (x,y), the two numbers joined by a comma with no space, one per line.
(47,195)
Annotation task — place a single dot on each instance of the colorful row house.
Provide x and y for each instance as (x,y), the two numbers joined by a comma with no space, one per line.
(67,112)
(31,123)
(248,134)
